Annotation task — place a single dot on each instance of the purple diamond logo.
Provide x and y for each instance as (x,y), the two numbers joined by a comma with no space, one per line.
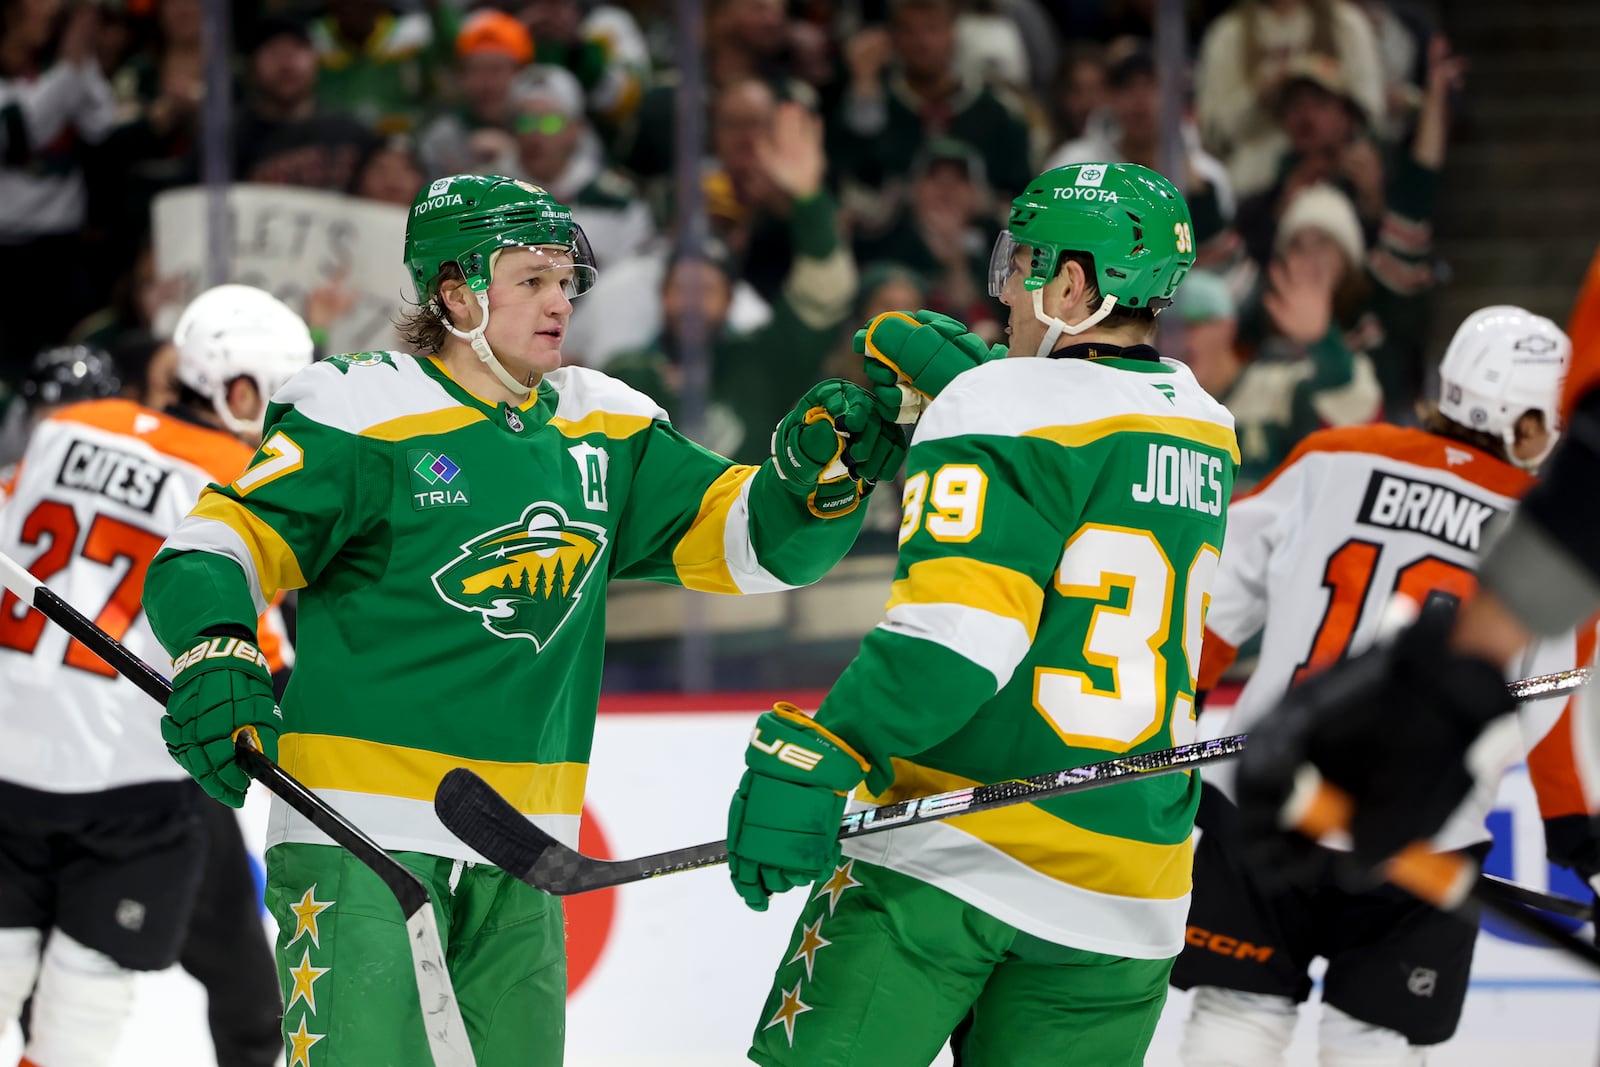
(445,469)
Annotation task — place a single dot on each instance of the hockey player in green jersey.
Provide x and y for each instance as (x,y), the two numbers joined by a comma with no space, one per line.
(1063,520)
(452,520)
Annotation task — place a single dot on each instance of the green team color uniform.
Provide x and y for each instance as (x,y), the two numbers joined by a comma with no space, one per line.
(1063,522)
(453,557)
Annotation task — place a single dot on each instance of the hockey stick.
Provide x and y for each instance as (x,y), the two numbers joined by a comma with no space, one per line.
(447,1034)
(1446,880)
(472,810)
(1554,903)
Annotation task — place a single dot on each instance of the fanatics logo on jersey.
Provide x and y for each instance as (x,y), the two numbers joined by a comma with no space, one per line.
(436,480)
(115,475)
(524,578)
(1456,457)
(1435,511)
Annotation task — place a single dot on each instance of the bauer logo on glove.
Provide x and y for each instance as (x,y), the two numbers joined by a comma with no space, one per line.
(786,751)
(220,648)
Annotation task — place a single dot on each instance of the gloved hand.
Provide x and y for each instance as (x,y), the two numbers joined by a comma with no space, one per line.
(815,445)
(783,824)
(220,688)
(923,352)
(1391,727)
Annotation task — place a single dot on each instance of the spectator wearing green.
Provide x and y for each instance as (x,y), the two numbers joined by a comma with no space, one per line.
(937,232)
(752,373)
(904,88)
(1274,402)
(381,65)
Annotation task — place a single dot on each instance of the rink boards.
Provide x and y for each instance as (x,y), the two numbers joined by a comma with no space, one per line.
(674,971)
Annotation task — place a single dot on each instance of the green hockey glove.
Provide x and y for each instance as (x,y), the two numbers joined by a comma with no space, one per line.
(808,447)
(877,451)
(783,824)
(910,359)
(221,687)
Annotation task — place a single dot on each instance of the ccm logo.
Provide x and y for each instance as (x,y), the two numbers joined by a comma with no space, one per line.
(786,752)
(1224,945)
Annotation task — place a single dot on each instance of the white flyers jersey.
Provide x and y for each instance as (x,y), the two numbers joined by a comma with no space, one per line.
(1316,552)
(100,487)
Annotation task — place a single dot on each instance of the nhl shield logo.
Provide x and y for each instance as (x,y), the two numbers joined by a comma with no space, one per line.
(523,579)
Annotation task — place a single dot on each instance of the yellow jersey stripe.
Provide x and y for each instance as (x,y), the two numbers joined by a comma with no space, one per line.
(276,566)
(1053,847)
(701,555)
(614,425)
(974,584)
(322,761)
(421,425)
(1198,430)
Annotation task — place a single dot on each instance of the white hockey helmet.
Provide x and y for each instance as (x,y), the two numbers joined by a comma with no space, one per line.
(1503,362)
(239,331)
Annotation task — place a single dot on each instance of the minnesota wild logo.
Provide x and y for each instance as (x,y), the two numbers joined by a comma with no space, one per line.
(524,578)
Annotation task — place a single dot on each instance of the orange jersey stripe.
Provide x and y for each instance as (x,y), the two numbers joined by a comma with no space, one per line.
(217,452)
(1216,656)
(1584,329)
(1552,763)
(1408,445)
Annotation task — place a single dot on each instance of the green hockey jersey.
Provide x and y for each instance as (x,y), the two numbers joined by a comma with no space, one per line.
(453,556)
(1062,526)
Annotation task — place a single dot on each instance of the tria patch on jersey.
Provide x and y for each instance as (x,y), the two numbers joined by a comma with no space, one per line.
(115,475)
(436,480)
(1435,511)
(524,578)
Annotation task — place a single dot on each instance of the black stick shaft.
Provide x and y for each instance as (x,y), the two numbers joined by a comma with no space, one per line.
(407,889)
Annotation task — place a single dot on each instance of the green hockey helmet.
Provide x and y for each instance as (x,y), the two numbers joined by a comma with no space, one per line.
(466,218)
(1130,219)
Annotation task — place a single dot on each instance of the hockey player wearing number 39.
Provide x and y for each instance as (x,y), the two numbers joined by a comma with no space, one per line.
(452,520)
(1063,519)
(108,856)
(1354,516)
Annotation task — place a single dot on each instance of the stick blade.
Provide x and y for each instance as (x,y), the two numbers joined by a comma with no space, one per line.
(485,821)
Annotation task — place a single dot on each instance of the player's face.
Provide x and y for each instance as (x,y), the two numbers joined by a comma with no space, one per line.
(528,308)
(1533,437)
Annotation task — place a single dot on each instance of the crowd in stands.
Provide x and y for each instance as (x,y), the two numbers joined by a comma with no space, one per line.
(858,155)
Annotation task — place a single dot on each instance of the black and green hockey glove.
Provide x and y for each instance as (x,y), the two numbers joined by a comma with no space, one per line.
(221,687)
(909,359)
(812,448)
(783,823)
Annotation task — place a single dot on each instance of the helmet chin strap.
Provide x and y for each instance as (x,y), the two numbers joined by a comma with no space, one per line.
(480,345)
(1056,327)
